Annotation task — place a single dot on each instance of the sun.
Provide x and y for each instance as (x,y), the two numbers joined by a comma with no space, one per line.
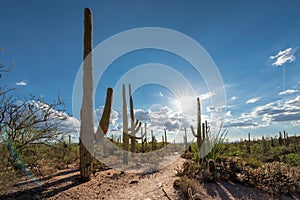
(186,104)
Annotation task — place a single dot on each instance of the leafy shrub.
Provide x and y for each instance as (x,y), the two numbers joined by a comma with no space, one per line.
(291,159)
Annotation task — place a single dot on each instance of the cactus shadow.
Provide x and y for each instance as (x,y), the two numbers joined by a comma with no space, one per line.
(62,181)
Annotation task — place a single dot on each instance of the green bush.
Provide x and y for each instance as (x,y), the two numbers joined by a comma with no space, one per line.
(291,159)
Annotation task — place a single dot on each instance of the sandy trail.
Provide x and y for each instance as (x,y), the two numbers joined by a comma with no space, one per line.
(106,184)
(113,185)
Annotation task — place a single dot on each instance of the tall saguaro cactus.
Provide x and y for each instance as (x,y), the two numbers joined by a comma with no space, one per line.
(185,140)
(125,127)
(198,135)
(86,112)
(87,136)
(202,130)
(166,140)
(135,125)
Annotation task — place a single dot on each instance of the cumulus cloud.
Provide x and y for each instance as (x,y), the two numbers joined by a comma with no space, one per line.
(143,115)
(61,120)
(228,114)
(114,117)
(21,83)
(253,100)
(240,123)
(287,92)
(283,57)
(279,111)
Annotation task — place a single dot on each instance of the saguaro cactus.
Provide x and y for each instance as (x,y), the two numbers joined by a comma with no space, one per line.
(198,135)
(249,144)
(153,141)
(135,125)
(185,140)
(86,112)
(286,138)
(166,140)
(125,127)
(280,139)
(145,136)
(87,136)
(202,132)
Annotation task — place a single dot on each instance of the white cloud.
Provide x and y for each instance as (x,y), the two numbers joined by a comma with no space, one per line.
(253,100)
(287,92)
(61,120)
(228,114)
(21,83)
(206,96)
(264,115)
(233,98)
(279,111)
(240,123)
(295,123)
(283,57)
(114,117)
(142,115)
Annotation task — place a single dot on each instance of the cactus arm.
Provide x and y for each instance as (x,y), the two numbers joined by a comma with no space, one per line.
(193,131)
(104,122)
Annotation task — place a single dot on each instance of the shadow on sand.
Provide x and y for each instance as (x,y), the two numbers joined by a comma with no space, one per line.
(48,189)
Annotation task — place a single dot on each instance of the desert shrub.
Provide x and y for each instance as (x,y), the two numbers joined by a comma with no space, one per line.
(277,177)
(7,179)
(291,159)
(272,177)
(188,155)
(191,170)
(253,163)
(184,184)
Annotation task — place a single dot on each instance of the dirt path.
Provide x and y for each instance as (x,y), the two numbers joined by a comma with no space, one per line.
(113,185)
(106,184)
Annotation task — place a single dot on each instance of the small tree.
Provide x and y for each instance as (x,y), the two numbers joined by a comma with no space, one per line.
(28,123)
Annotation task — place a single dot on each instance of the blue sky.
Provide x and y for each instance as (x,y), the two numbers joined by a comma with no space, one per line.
(255,45)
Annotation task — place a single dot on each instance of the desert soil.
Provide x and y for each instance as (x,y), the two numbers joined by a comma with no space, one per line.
(113,184)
